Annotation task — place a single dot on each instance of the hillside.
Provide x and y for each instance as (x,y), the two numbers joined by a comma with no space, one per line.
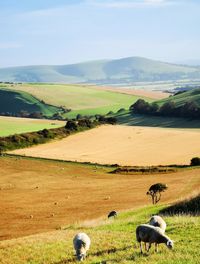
(112,241)
(182,98)
(118,71)
(81,99)
(13,102)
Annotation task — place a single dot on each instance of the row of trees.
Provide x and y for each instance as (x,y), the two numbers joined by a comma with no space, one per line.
(187,110)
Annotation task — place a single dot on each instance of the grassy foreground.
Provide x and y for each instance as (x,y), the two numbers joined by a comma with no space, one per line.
(113,241)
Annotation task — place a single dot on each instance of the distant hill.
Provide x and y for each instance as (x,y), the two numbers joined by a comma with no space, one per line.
(119,71)
(12,103)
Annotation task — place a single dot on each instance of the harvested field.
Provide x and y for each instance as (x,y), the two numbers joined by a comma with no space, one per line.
(38,195)
(124,145)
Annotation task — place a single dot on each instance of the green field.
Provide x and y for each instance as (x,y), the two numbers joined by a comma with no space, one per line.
(81,99)
(180,99)
(14,102)
(14,125)
(126,118)
(113,241)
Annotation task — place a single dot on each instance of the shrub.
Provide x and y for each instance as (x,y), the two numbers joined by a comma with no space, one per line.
(71,125)
(195,161)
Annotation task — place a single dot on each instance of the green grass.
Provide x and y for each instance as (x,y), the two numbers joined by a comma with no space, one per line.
(15,101)
(126,118)
(82,99)
(12,125)
(180,99)
(113,241)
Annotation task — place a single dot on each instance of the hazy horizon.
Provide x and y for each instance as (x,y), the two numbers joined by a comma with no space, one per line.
(67,32)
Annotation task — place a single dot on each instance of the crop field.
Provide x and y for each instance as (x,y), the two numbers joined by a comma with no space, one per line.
(124,145)
(41,195)
(81,99)
(15,125)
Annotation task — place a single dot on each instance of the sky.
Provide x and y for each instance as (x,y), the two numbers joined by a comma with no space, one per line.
(52,32)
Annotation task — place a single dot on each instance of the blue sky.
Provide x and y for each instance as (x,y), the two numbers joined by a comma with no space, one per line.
(35,32)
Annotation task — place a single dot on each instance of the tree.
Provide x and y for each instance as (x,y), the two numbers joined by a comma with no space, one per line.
(195,161)
(168,109)
(140,107)
(155,191)
(71,125)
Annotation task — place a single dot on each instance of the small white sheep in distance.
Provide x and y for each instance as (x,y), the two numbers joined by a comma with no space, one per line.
(81,244)
(150,234)
(158,221)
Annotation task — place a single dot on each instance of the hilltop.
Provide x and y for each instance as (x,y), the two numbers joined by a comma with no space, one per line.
(117,71)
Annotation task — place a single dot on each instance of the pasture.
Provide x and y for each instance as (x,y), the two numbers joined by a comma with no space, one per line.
(83,99)
(124,145)
(42,195)
(16,125)
(113,241)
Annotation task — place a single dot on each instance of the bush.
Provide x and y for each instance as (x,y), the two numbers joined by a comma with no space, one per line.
(195,161)
(71,125)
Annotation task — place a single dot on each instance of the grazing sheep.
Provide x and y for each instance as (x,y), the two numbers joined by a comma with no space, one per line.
(112,214)
(150,234)
(157,220)
(81,244)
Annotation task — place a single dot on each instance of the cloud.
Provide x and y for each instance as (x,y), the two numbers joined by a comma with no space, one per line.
(130,4)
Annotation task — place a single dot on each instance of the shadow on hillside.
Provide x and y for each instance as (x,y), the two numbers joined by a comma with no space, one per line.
(156,121)
(187,207)
(98,253)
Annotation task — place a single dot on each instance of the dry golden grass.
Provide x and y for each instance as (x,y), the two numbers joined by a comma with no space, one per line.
(124,145)
(38,196)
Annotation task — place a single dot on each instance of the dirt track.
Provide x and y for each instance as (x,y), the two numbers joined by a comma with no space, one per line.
(38,196)
(124,145)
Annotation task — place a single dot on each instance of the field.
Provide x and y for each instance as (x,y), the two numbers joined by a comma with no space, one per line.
(81,99)
(13,102)
(15,125)
(40,195)
(124,145)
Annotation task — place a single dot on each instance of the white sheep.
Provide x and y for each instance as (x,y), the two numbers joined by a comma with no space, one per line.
(150,234)
(81,244)
(158,221)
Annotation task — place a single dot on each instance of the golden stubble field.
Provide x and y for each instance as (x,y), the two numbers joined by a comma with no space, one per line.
(38,196)
(124,145)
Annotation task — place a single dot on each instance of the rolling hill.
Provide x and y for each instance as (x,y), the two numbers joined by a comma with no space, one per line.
(13,102)
(81,99)
(118,71)
(184,97)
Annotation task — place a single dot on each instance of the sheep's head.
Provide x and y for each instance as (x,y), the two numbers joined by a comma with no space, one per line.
(170,244)
(81,256)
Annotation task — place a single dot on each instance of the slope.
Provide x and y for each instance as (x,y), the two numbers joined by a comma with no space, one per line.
(13,102)
(118,71)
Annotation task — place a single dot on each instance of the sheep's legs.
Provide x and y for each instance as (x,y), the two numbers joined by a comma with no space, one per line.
(145,246)
(149,246)
(156,247)
(141,247)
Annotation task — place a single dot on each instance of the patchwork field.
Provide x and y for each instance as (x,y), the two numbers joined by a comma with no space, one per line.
(40,195)
(124,145)
(83,99)
(15,125)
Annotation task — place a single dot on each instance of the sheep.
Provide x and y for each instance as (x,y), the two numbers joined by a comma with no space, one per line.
(81,244)
(157,220)
(112,214)
(151,234)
